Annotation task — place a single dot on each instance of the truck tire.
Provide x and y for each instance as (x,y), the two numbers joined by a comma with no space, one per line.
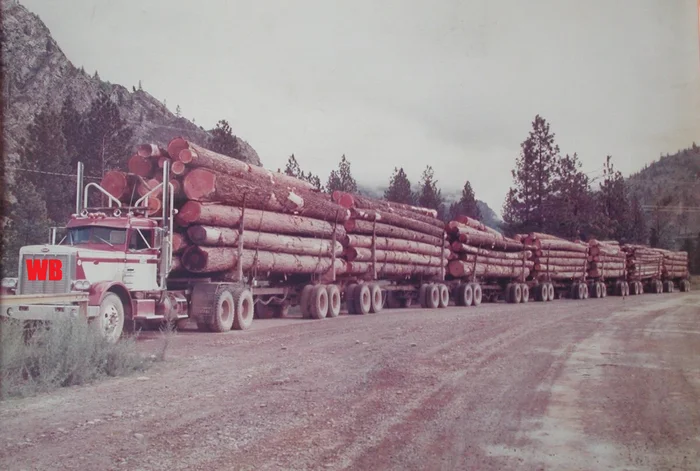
(517,295)
(478,294)
(305,301)
(363,299)
(318,306)
(508,294)
(423,295)
(537,292)
(432,297)
(598,293)
(223,311)
(245,309)
(350,298)
(109,322)
(444,296)
(333,300)
(465,294)
(550,292)
(377,303)
(586,292)
(525,292)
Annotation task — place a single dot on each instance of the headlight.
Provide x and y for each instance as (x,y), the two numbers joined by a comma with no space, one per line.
(81,285)
(10,283)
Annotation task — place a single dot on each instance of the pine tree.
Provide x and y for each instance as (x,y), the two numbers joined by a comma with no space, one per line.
(571,204)
(223,141)
(45,151)
(467,205)
(106,137)
(689,246)
(292,169)
(341,180)
(526,205)
(178,111)
(638,230)
(614,220)
(696,257)
(399,190)
(429,195)
(73,131)
(140,88)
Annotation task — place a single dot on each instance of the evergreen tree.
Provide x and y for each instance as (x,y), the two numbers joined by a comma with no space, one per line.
(614,205)
(292,169)
(696,256)
(140,88)
(399,190)
(341,179)
(689,246)
(45,151)
(223,141)
(571,204)
(526,205)
(429,195)
(106,138)
(28,225)
(467,205)
(638,230)
(178,111)
(73,131)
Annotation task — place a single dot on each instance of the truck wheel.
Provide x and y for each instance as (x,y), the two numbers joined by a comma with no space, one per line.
(333,300)
(466,294)
(377,303)
(537,292)
(586,292)
(508,294)
(350,298)
(245,308)
(477,294)
(109,322)
(363,299)
(423,295)
(432,296)
(223,312)
(517,293)
(305,301)
(444,296)
(598,293)
(318,307)
(525,289)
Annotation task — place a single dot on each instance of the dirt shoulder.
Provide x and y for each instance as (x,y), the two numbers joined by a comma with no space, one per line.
(596,384)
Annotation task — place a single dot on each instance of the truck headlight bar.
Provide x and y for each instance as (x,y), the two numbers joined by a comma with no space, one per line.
(81,285)
(10,283)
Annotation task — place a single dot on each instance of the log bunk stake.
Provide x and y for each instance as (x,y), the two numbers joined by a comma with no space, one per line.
(241,243)
(374,250)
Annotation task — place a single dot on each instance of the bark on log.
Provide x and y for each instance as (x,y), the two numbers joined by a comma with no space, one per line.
(151,150)
(199,259)
(396,220)
(356,201)
(553,244)
(571,275)
(467,221)
(559,254)
(387,243)
(194,212)
(607,258)
(179,242)
(357,254)
(560,268)
(606,273)
(504,262)
(176,265)
(195,156)
(391,269)
(365,227)
(460,247)
(490,242)
(205,185)
(606,266)
(569,262)
(278,243)
(141,166)
(147,185)
(460,269)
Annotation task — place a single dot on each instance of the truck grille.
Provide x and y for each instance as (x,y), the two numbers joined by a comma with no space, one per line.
(27,286)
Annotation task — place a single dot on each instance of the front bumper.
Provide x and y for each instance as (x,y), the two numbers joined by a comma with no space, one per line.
(46,307)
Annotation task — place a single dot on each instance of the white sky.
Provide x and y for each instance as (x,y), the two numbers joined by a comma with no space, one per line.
(450,83)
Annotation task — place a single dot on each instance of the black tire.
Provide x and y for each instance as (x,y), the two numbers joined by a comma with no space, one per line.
(223,311)
(586,291)
(626,287)
(423,295)
(599,287)
(109,322)
(318,306)
(575,291)
(377,301)
(333,300)
(363,299)
(525,289)
(604,290)
(478,294)
(432,297)
(508,294)
(537,293)
(305,301)
(245,309)
(466,294)
(350,298)
(444,296)
(550,292)
(517,296)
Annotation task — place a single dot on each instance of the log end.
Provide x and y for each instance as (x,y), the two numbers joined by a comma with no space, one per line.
(189,212)
(186,156)
(346,201)
(178,168)
(114,183)
(456,268)
(147,150)
(199,183)
(154,206)
(141,166)
(197,234)
(176,145)
(161,161)
(194,259)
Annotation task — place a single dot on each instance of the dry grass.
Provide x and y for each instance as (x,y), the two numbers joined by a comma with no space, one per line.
(60,354)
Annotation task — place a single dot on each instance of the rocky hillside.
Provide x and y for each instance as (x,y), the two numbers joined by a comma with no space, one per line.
(36,73)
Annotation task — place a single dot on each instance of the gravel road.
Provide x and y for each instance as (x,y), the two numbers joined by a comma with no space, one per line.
(577,385)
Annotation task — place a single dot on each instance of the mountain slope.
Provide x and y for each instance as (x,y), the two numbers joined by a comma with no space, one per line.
(36,73)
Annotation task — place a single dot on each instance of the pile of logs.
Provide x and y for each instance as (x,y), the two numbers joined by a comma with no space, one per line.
(643,262)
(482,251)
(391,240)
(556,258)
(606,259)
(674,264)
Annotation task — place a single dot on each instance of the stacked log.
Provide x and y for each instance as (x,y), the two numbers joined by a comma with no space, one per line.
(392,240)
(606,259)
(643,262)
(674,264)
(556,258)
(484,252)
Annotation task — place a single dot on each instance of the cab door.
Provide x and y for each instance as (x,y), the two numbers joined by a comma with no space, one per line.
(140,273)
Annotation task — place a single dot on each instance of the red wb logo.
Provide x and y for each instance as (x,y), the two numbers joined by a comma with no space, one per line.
(38,269)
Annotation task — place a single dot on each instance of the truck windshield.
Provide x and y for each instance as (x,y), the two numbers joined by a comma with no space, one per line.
(95,235)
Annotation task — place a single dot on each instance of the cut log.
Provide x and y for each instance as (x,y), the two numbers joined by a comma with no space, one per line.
(570,275)
(467,221)
(553,244)
(178,168)
(226,237)
(141,166)
(504,262)
(194,212)
(387,243)
(362,202)
(179,242)
(118,184)
(176,265)
(606,273)
(461,269)
(151,150)
(145,186)
(607,258)
(154,206)
(365,227)
(162,160)
(392,270)
(205,185)
(558,254)
(484,240)
(606,266)
(353,254)
(543,236)
(577,262)
(460,247)
(199,259)
(398,221)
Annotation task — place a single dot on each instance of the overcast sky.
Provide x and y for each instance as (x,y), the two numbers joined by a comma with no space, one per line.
(454,84)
